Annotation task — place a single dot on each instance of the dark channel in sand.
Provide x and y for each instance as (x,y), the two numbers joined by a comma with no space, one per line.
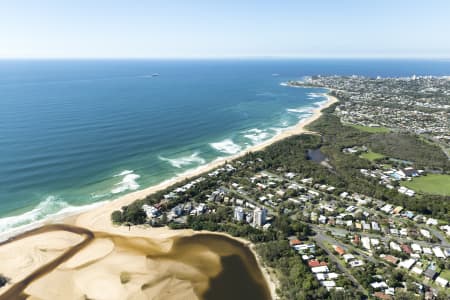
(238,277)
(16,291)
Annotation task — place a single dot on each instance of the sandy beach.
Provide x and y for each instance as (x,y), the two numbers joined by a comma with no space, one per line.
(97,271)
(98,219)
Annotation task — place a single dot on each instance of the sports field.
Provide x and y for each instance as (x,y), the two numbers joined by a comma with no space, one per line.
(437,184)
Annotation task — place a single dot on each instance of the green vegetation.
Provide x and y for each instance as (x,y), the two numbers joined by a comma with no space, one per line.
(437,184)
(291,155)
(296,281)
(371,129)
(342,171)
(372,156)
(347,177)
(409,147)
(445,274)
(132,214)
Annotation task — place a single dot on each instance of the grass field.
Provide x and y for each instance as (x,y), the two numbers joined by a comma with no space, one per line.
(372,156)
(430,184)
(370,129)
(445,274)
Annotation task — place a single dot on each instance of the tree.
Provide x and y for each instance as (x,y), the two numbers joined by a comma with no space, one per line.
(405,295)
(134,214)
(116,217)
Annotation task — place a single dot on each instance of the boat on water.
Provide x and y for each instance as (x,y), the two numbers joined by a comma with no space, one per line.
(155,74)
(275,74)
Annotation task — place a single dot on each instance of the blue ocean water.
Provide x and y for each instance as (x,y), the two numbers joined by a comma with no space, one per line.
(77,132)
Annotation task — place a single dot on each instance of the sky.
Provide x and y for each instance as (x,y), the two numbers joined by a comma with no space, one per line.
(224,29)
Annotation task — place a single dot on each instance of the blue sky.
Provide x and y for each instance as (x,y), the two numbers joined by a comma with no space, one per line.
(204,29)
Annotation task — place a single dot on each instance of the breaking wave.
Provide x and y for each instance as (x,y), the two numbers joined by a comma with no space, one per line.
(315,95)
(123,173)
(256,135)
(128,182)
(49,209)
(301,111)
(226,146)
(181,162)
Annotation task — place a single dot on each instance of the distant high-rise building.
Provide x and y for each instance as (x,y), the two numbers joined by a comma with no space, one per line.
(239,214)
(259,217)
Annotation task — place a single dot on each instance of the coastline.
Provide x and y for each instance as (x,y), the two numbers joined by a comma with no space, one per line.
(94,219)
(98,219)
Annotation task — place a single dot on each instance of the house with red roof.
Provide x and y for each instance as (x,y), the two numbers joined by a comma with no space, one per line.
(294,242)
(339,250)
(406,249)
(315,263)
(381,295)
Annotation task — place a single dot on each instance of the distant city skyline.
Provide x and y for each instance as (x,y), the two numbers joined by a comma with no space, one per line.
(225,29)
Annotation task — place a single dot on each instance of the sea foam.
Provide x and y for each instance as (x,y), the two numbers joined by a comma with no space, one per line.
(50,208)
(123,173)
(301,110)
(278,130)
(128,182)
(315,95)
(181,162)
(226,146)
(256,135)
(320,103)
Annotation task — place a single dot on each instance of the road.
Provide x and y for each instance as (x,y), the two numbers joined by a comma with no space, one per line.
(320,239)
(442,238)
(385,238)
(346,247)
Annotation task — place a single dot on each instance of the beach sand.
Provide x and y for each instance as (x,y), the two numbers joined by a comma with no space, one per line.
(97,269)
(20,258)
(98,219)
(114,268)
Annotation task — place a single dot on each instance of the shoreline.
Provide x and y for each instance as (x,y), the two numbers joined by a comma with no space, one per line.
(65,243)
(98,218)
(91,218)
(272,284)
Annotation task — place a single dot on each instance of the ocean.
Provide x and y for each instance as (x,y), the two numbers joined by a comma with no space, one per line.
(75,133)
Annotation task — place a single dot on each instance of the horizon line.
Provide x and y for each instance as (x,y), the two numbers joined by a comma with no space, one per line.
(266,57)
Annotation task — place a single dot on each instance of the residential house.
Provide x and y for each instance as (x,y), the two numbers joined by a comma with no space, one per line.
(416,248)
(438,252)
(392,259)
(321,269)
(442,282)
(407,263)
(429,273)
